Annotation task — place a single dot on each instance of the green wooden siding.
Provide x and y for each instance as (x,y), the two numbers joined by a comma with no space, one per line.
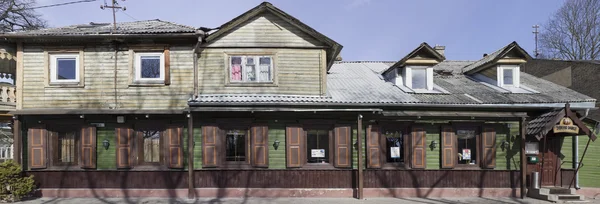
(589,174)
(432,132)
(277,157)
(197,147)
(354,151)
(508,158)
(106,159)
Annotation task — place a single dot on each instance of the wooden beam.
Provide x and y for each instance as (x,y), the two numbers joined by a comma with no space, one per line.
(19,77)
(360,158)
(523,127)
(17,140)
(190,141)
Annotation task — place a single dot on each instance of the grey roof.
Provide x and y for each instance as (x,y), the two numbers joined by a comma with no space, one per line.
(422,47)
(155,26)
(354,83)
(495,56)
(538,125)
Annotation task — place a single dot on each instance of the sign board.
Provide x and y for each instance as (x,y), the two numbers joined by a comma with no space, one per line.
(395,152)
(466,154)
(566,126)
(532,148)
(317,153)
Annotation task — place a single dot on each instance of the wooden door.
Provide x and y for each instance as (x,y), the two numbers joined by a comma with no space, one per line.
(550,174)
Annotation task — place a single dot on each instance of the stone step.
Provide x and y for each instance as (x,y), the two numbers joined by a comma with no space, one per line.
(562,191)
(565,197)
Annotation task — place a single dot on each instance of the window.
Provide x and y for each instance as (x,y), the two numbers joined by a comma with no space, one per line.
(66,148)
(317,146)
(508,76)
(149,67)
(235,145)
(151,146)
(467,146)
(64,68)
(394,146)
(419,78)
(251,69)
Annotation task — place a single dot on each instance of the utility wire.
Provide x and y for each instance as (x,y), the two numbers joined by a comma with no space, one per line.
(135,19)
(61,4)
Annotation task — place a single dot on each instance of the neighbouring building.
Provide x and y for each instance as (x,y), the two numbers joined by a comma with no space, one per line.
(260,107)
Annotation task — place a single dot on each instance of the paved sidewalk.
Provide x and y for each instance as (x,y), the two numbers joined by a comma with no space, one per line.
(288,200)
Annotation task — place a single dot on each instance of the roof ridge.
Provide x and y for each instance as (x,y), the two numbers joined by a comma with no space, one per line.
(364,61)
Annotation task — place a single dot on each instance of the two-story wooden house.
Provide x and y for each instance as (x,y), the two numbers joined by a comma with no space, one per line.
(261,107)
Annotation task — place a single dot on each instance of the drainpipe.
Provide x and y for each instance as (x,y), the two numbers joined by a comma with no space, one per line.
(576,152)
(201,35)
(191,188)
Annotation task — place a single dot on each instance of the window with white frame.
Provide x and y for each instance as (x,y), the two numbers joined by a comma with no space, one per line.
(64,68)
(417,77)
(508,75)
(251,69)
(149,67)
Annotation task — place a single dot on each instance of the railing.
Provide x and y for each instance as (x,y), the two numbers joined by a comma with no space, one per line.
(8,93)
(6,153)
(7,78)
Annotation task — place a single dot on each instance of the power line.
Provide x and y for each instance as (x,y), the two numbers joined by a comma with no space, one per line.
(135,19)
(61,4)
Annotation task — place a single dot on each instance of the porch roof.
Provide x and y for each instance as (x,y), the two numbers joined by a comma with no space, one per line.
(540,125)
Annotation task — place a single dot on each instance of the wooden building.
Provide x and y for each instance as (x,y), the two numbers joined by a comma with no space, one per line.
(260,107)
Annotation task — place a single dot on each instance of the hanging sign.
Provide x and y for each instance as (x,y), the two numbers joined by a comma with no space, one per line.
(317,153)
(466,154)
(395,152)
(566,126)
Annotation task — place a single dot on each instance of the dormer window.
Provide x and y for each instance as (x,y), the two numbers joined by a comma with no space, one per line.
(508,75)
(418,77)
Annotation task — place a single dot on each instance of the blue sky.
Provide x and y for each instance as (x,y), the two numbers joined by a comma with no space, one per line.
(368,29)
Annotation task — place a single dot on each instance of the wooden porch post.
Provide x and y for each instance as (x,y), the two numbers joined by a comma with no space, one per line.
(17,140)
(523,127)
(360,158)
(190,140)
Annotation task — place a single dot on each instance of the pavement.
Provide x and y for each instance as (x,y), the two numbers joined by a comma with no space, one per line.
(289,200)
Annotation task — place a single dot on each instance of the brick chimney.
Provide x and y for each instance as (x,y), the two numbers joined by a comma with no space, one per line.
(440,49)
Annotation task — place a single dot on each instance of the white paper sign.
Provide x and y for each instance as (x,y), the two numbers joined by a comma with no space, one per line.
(395,152)
(466,154)
(318,153)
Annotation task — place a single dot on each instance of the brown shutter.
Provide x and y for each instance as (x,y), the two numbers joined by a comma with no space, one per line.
(373,147)
(449,153)
(418,146)
(210,146)
(37,140)
(125,138)
(489,148)
(167,56)
(343,146)
(295,146)
(174,138)
(87,157)
(259,145)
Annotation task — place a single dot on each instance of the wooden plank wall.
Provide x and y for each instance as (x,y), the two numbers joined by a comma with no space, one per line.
(442,179)
(99,89)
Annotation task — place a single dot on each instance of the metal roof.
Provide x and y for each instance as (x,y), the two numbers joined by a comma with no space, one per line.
(155,26)
(539,125)
(354,83)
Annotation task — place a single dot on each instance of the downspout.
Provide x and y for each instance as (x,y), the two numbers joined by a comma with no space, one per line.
(201,36)
(191,188)
(576,152)
(115,77)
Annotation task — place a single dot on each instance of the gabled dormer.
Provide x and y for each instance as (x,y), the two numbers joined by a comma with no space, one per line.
(501,69)
(414,72)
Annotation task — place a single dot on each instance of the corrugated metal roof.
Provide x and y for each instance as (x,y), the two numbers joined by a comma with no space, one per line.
(360,83)
(537,126)
(155,26)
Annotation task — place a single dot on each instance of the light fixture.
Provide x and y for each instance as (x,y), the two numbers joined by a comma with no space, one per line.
(81,116)
(504,145)
(188,115)
(147,116)
(433,144)
(120,119)
(355,144)
(105,144)
(276,144)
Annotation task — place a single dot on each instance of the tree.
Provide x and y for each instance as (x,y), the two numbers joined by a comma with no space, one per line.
(19,15)
(573,32)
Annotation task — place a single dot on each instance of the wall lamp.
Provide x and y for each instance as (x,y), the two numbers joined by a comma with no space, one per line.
(504,145)
(433,144)
(276,144)
(105,144)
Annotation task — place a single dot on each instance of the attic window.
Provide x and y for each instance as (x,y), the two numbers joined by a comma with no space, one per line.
(418,77)
(508,75)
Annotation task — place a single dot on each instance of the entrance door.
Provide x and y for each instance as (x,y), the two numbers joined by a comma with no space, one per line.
(550,174)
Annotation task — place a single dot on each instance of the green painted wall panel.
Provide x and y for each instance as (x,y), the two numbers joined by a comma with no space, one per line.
(106,159)
(364,146)
(589,175)
(197,147)
(432,132)
(509,157)
(277,157)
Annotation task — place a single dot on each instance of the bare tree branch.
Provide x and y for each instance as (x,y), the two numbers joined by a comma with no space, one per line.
(18,15)
(573,32)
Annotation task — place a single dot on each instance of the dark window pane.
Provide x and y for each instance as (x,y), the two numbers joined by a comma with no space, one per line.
(317,144)
(151,146)
(66,148)
(66,68)
(508,76)
(467,146)
(394,146)
(419,78)
(235,145)
(150,66)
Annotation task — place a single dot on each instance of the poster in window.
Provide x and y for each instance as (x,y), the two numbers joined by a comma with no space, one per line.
(317,153)
(466,154)
(395,152)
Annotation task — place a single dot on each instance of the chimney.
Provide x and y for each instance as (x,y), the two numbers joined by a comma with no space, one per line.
(440,49)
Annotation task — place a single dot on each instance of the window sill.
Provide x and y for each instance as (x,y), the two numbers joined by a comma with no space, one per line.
(467,167)
(65,85)
(318,166)
(251,84)
(398,166)
(147,85)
